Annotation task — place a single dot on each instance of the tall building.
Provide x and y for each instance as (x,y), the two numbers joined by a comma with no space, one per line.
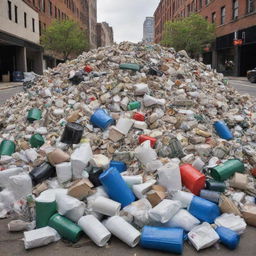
(234,51)
(104,34)
(148,30)
(92,24)
(19,39)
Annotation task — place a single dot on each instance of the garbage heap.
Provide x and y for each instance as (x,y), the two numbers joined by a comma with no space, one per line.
(136,141)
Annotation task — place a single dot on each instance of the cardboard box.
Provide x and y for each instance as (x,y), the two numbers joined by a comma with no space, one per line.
(58,156)
(249,214)
(227,206)
(80,189)
(155,197)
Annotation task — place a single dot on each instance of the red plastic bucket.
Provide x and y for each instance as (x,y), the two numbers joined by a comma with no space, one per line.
(143,138)
(138,116)
(192,178)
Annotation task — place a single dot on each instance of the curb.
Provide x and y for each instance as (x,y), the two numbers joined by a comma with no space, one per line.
(10,87)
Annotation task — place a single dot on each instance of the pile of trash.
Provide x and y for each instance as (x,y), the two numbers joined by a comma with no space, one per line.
(132,140)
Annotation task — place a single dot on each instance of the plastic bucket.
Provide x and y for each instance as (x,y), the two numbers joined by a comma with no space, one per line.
(36,140)
(131,66)
(42,172)
(228,237)
(152,140)
(34,114)
(162,238)
(94,177)
(212,196)
(215,185)
(7,148)
(44,211)
(139,117)
(133,105)
(223,130)
(116,187)
(120,166)
(227,169)
(203,209)
(72,134)
(192,178)
(101,119)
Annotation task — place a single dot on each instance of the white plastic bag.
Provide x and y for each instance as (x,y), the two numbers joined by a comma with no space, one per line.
(141,189)
(231,221)
(145,153)
(165,210)
(40,237)
(6,174)
(184,197)
(182,219)
(203,236)
(64,172)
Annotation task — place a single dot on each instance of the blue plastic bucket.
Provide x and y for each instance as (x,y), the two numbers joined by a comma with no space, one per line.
(101,119)
(162,239)
(223,130)
(228,237)
(120,166)
(203,209)
(116,187)
(212,196)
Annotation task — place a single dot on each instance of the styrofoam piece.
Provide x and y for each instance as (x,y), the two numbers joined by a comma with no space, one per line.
(123,230)
(149,101)
(184,197)
(124,125)
(140,125)
(6,174)
(141,189)
(40,237)
(203,236)
(133,180)
(106,206)
(169,177)
(141,89)
(80,159)
(64,172)
(145,153)
(182,219)
(153,165)
(70,207)
(165,210)
(231,221)
(94,229)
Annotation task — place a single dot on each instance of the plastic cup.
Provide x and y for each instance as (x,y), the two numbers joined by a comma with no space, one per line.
(101,119)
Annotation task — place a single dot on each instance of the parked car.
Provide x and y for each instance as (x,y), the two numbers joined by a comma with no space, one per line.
(251,75)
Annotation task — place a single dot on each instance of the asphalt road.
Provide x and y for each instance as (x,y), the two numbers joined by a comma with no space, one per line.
(11,244)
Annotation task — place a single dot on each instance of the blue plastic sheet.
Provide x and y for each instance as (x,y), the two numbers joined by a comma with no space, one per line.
(116,187)
(162,239)
(228,237)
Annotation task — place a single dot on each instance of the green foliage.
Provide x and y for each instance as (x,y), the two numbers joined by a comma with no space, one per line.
(65,38)
(190,34)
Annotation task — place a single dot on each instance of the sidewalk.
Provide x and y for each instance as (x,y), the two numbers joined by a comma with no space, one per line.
(240,78)
(4,86)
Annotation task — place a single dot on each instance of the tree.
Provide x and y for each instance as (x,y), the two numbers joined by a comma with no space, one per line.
(191,34)
(65,38)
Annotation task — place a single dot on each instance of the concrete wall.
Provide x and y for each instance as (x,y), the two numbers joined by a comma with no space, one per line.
(18,29)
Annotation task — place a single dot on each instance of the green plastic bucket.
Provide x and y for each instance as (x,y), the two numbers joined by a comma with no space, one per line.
(36,140)
(133,105)
(227,169)
(65,227)
(7,147)
(34,114)
(44,211)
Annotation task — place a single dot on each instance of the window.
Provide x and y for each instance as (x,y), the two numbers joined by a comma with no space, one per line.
(250,6)
(40,28)
(235,9)
(43,5)
(50,8)
(207,2)
(56,13)
(16,13)
(59,13)
(25,19)
(200,4)
(33,24)
(10,10)
(213,17)
(223,15)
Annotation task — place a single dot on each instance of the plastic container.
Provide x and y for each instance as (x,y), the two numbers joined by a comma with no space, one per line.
(66,228)
(192,178)
(228,237)
(130,66)
(223,130)
(116,187)
(94,230)
(134,105)
(34,114)
(203,209)
(215,185)
(36,140)
(139,117)
(184,197)
(42,172)
(212,196)
(176,148)
(123,230)
(106,206)
(152,140)
(227,169)
(72,134)
(7,148)
(133,180)
(162,238)
(120,166)
(94,177)
(101,119)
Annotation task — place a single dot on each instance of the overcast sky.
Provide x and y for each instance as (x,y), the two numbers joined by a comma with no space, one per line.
(126,17)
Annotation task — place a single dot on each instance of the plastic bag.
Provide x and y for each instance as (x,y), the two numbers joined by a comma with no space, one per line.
(20,225)
(6,174)
(203,236)
(184,197)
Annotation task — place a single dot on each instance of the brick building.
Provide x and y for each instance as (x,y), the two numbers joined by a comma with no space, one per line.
(104,34)
(81,11)
(235,24)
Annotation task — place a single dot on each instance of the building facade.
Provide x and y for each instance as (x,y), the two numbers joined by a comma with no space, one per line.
(104,34)
(92,22)
(148,30)
(234,51)
(19,39)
